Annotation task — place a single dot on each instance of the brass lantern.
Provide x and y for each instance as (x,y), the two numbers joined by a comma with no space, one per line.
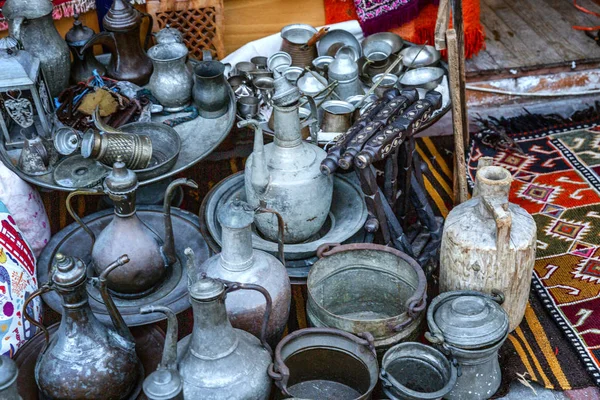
(26,109)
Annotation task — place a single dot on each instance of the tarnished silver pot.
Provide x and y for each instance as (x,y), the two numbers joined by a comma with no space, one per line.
(8,379)
(171,81)
(414,371)
(325,363)
(367,288)
(470,327)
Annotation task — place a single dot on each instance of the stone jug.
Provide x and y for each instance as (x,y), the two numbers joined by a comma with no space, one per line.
(85,359)
(172,81)
(284,176)
(128,61)
(489,244)
(31,23)
(85,63)
(239,262)
(150,254)
(218,362)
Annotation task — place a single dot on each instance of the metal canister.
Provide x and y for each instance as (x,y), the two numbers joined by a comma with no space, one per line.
(470,327)
(134,150)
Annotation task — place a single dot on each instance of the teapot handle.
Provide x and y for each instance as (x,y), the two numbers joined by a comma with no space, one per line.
(169,246)
(280,372)
(43,289)
(234,286)
(280,230)
(149,31)
(75,216)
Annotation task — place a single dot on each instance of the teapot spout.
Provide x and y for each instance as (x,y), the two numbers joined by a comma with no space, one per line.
(169,246)
(259,173)
(169,357)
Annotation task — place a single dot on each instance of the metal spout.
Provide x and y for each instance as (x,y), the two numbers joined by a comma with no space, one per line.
(259,173)
(169,246)
(169,357)
(190,266)
(14,28)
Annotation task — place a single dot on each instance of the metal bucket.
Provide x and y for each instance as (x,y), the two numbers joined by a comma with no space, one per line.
(325,364)
(367,288)
(414,371)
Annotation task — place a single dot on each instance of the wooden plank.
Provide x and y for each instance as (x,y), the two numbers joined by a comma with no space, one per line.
(575,17)
(483,61)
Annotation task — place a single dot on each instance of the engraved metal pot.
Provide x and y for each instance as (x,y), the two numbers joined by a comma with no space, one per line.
(171,81)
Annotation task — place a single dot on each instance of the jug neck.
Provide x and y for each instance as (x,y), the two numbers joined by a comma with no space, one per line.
(124,204)
(76,309)
(287,126)
(493,181)
(237,253)
(213,336)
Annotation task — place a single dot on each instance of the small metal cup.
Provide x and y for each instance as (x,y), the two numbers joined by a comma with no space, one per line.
(244,68)
(279,61)
(388,81)
(134,150)
(266,88)
(337,116)
(292,74)
(248,106)
(260,62)
(378,53)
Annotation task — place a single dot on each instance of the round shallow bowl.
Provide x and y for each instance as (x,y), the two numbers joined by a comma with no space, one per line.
(395,41)
(420,56)
(338,36)
(425,78)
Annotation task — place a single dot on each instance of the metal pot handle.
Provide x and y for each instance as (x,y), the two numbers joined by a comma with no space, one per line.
(280,230)
(280,373)
(149,31)
(416,303)
(234,286)
(43,289)
(435,334)
(75,216)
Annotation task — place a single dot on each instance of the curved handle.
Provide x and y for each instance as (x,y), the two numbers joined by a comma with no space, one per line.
(149,31)
(280,230)
(280,372)
(498,207)
(169,246)
(105,38)
(234,286)
(75,216)
(207,55)
(43,289)
(316,122)
(169,357)
(14,28)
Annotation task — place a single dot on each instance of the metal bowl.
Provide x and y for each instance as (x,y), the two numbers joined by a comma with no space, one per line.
(338,36)
(395,41)
(420,56)
(426,78)
(166,146)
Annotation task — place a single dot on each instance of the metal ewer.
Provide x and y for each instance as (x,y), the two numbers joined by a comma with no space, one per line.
(8,379)
(325,363)
(367,288)
(470,327)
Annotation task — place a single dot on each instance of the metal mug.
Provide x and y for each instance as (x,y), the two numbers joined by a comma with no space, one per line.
(211,91)
(279,61)
(260,62)
(248,106)
(66,140)
(386,81)
(134,150)
(337,116)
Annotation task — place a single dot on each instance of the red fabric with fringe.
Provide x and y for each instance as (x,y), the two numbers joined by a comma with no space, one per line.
(62,9)
(420,29)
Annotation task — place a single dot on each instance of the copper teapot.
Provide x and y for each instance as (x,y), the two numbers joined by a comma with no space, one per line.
(150,255)
(85,359)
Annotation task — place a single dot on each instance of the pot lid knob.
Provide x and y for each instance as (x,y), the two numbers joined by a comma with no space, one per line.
(8,372)
(470,320)
(207,289)
(79,34)
(163,384)
(285,93)
(120,180)
(236,214)
(68,271)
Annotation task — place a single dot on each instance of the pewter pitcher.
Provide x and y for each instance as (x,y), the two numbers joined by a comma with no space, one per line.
(85,359)
(172,81)
(31,23)
(211,92)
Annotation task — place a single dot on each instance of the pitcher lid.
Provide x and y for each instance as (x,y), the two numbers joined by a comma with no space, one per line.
(121,16)
(163,384)
(470,320)
(236,214)
(285,93)
(69,271)
(29,9)
(79,34)
(120,180)
(206,289)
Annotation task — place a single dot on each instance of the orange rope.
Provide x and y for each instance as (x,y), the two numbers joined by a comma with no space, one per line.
(585,10)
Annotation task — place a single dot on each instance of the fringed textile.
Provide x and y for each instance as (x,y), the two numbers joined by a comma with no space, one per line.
(62,9)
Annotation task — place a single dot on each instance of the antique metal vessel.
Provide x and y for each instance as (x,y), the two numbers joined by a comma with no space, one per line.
(337,116)
(100,362)
(8,379)
(279,61)
(284,175)
(325,364)
(217,361)
(294,41)
(414,371)
(171,81)
(344,70)
(239,262)
(489,244)
(336,39)
(469,327)
(168,35)
(126,233)
(31,23)
(367,288)
(121,36)
(135,151)
(84,63)
(211,91)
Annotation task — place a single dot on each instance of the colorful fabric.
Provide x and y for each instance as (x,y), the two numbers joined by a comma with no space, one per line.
(17,282)
(421,28)
(557,181)
(62,9)
(377,15)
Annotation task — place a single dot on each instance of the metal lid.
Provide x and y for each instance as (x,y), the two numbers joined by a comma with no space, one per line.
(69,271)
(236,214)
(29,9)
(470,320)
(79,34)
(285,92)
(120,180)
(9,46)
(163,384)
(168,35)
(207,289)
(8,372)
(121,16)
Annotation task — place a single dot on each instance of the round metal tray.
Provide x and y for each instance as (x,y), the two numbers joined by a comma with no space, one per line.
(172,292)
(199,138)
(149,341)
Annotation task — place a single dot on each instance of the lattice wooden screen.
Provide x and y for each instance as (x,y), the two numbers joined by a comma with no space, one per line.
(200,21)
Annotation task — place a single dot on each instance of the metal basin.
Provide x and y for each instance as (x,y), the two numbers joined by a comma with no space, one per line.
(422,78)
(420,56)
(338,37)
(367,288)
(395,41)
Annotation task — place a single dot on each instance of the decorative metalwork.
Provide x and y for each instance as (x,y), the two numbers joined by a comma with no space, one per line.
(44,97)
(19,109)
